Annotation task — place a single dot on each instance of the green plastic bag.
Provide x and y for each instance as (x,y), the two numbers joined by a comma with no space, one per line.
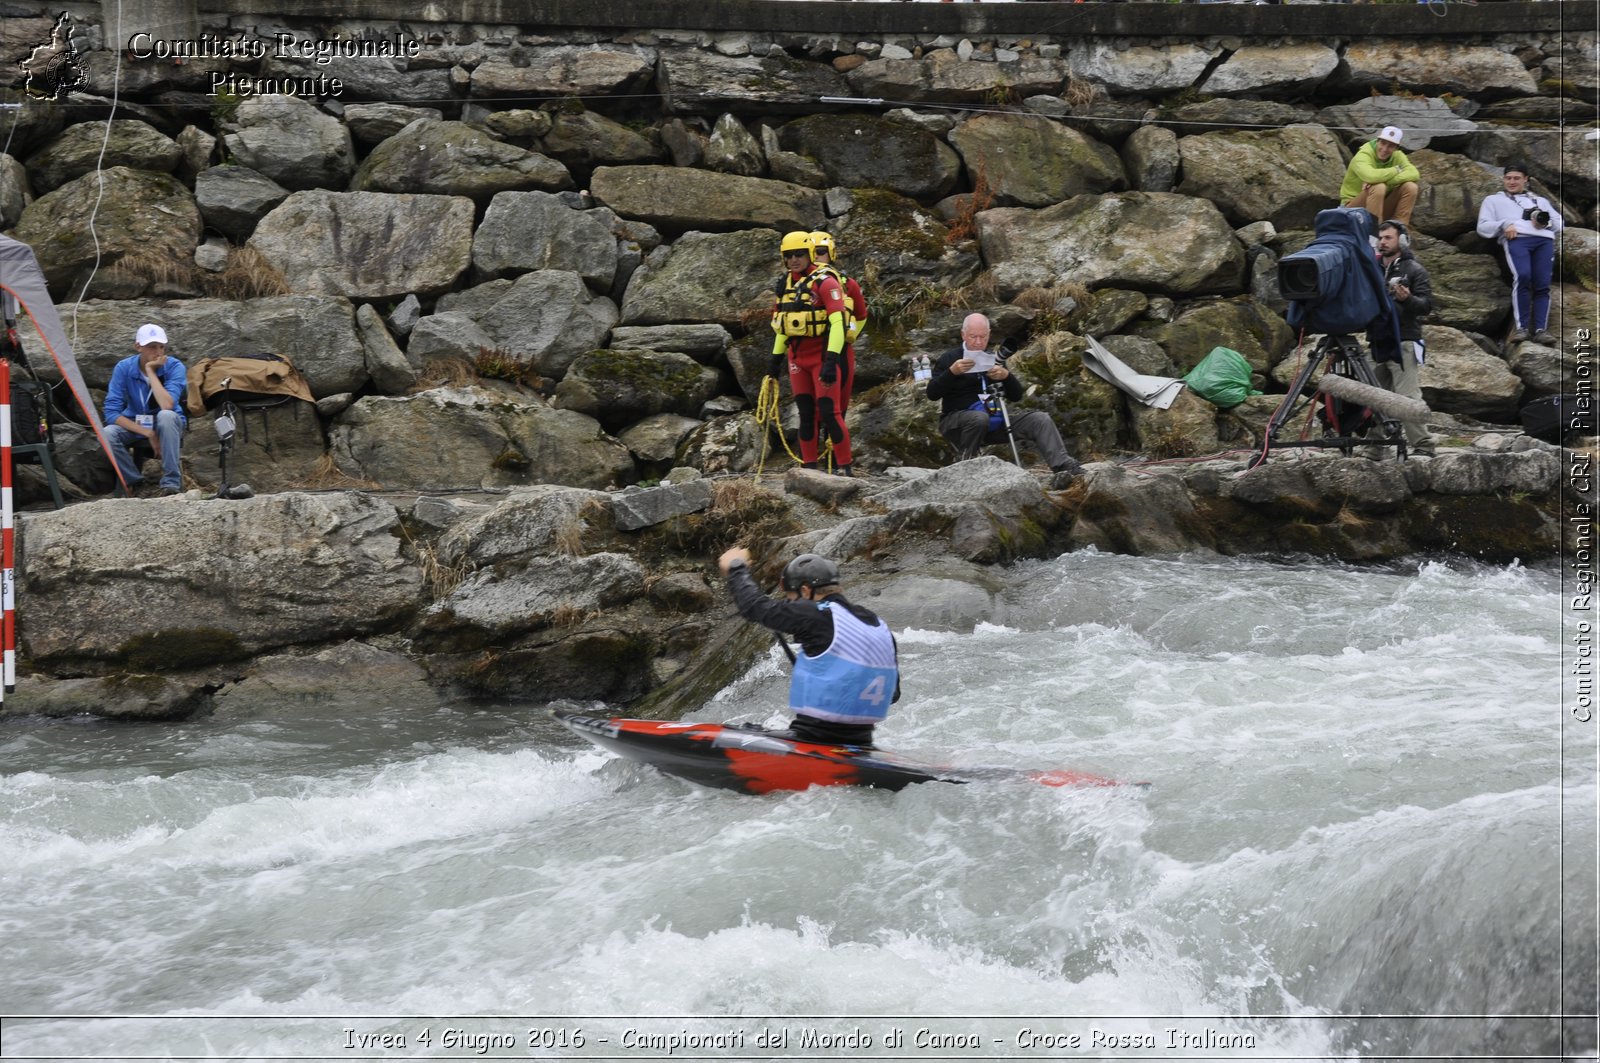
(1222,378)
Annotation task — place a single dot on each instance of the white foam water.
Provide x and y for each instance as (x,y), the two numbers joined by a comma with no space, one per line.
(1353,845)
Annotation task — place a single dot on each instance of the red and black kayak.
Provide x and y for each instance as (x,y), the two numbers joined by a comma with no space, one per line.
(759,762)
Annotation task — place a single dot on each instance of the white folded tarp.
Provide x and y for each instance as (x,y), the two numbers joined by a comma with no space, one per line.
(1158,391)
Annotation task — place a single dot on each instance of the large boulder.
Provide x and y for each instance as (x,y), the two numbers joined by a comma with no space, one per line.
(692,81)
(1424,119)
(1151,157)
(275,448)
(1284,176)
(368,77)
(732,149)
(545,318)
(292,142)
(564,71)
(703,343)
(1451,191)
(317,333)
(145,221)
(1125,512)
(454,159)
(679,199)
(1282,67)
(15,193)
(90,146)
(865,151)
(1240,323)
(1468,292)
(368,245)
(1141,69)
(453,437)
(620,387)
(214,580)
(232,199)
(705,277)
(583,140)
(542,519)
(1151,241)
(352,677)
(1031,161)
(1435,67)
(902,243)
(373,123)
(942,76)
(1185,429)
(1562,162)
(524,231)
(897,425)
(490,607)
(1460,377)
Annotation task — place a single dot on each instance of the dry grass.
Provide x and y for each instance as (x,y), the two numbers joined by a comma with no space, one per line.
(441,576)
(566,615)
(1080,93)
(248,275)
(496,363)
(326,475)
(154,270)
(984,291)
(452,372)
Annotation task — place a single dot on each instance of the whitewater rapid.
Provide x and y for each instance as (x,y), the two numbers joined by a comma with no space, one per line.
(1369,832)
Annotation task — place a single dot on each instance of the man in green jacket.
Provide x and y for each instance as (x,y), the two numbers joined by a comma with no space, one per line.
(1381,179)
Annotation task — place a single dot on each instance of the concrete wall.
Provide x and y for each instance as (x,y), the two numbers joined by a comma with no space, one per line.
(1032,19)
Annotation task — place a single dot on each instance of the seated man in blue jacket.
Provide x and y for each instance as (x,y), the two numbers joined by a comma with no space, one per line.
(144,403)
(848,671)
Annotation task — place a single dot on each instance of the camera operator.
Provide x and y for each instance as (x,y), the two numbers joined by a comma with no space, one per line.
(1412,291)
(1526,226)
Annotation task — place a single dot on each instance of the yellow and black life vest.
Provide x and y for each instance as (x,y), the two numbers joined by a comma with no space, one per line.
(800,312)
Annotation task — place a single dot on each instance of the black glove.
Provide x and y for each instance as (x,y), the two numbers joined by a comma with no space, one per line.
(775,366)
(830,371)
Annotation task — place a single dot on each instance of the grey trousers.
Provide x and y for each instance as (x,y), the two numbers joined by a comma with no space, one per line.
(1405,378)
(968,431)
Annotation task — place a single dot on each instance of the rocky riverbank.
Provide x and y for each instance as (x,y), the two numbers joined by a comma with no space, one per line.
(527,277)
(547,592)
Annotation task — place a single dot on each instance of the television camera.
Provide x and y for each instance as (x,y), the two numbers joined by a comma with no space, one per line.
(1335,287)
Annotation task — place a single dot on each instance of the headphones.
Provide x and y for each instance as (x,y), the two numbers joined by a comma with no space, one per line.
(1399,227)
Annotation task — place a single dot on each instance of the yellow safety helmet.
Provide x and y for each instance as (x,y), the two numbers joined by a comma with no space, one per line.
(821,241)
(798,240)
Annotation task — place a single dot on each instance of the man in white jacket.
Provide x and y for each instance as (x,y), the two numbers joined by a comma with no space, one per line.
(1526,226)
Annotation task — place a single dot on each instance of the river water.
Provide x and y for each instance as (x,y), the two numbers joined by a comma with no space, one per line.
(1368,834)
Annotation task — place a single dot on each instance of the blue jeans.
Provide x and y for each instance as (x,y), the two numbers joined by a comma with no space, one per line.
(169,430)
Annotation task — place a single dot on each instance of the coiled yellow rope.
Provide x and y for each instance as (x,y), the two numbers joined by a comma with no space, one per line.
(769,419)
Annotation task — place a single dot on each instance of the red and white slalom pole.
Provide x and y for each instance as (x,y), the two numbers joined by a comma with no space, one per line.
(8,555)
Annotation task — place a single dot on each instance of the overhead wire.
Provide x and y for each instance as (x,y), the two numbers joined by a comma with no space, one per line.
(100,174)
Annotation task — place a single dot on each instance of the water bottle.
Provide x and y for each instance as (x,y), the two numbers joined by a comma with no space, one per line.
(921,368)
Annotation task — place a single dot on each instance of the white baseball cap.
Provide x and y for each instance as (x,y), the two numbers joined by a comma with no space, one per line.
(150,334)
(1391,133)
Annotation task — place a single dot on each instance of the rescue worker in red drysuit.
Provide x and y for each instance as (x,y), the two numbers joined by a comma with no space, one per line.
(809,321)
(855,312)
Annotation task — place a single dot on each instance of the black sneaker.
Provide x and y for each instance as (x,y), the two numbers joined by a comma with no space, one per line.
(842,470)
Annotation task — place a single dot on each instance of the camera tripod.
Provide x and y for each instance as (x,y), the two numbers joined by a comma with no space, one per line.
(1345,360)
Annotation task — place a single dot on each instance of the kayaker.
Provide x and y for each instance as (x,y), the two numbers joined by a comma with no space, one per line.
(848,671)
